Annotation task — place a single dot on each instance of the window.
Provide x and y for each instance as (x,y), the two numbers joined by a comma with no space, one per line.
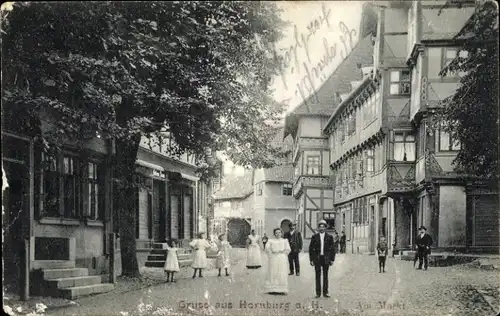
(49,187)
(341,132)
(359,169)
(351,122)
(67,187)
(353,168)
(400,82)
(313,165)
(70,185)
(92,197)
(259,188)
(370,160)
(447,143)
(440,57)
(287,189)
(404,147)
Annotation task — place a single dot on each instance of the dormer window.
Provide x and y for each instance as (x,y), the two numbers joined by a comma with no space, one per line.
(400,82)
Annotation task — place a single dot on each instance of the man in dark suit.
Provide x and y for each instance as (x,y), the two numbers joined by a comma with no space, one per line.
(342,242)
(321,256)
(295,241)
(424,242)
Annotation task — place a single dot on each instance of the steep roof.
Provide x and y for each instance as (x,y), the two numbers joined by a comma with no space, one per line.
(339,81)
(235,187)
(283,173)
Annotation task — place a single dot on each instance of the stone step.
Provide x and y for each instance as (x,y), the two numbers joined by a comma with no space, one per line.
(78,291)
(74,281)
(161,264)
(49,274)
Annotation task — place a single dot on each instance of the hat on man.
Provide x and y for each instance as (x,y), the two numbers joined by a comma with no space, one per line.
(422,227)
(292,225)
(322,222)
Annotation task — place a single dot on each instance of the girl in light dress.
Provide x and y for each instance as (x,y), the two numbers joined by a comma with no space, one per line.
(199,247)
(277,250)
(172,262)
(253,251)
(223,255)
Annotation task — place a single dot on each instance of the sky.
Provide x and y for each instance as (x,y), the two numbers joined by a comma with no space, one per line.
(310,60)
(320,34)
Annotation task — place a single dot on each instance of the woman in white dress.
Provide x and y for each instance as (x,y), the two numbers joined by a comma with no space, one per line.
(277,250)
(253,251)
(172,262)
(223,254)
(200,247)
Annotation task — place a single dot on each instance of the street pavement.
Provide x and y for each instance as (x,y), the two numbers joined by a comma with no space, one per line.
(356,288)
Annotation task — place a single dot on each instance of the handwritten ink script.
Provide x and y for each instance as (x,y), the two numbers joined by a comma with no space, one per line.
(313,72)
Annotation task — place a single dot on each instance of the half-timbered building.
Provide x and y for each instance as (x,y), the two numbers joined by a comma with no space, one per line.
(312,186)
(392,171)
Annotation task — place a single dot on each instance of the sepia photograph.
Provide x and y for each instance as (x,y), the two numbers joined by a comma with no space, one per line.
(268,158)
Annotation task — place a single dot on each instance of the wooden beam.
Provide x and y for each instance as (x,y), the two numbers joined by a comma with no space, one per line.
(312,201)
(310,227)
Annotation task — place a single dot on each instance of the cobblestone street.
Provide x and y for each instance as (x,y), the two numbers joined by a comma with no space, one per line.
(356,288)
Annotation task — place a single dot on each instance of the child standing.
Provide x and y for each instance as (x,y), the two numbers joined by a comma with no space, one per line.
(223,256)
(200,247)
(382,254)
(172,263)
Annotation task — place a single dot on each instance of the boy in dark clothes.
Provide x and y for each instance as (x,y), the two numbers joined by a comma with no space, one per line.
(382,251)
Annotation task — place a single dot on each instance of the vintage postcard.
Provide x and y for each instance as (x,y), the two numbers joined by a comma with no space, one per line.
(250,158)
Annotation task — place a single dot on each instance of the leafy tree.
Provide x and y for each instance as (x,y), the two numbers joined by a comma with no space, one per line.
(126,69)
(471,114)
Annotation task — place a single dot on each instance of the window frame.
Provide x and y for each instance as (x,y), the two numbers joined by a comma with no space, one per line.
(370,160)
(451,142)
(404,142)
(313,166)
(286,188)
(259,188)
(80,181)
(76,213)
(399,82)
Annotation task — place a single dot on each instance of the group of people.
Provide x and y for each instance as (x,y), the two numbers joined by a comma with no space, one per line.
(200,246)
(282,251)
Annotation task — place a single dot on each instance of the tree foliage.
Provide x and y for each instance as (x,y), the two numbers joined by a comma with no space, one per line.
(190,69)
(129,68)
(471,114)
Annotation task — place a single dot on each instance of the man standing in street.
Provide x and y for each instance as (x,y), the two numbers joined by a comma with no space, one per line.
(321,256)
(342,242)
(424,242)
(295,241)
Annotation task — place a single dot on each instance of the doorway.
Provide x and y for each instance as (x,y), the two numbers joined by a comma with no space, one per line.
(16,199)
